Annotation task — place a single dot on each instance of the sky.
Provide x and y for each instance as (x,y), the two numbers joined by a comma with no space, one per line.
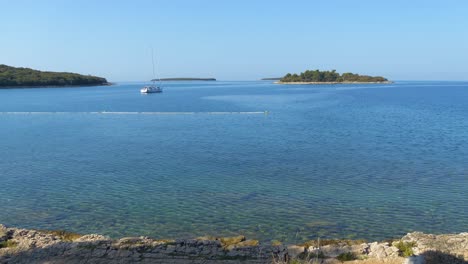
(238,39)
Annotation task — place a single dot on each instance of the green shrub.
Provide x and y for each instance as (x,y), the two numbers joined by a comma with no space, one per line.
(8,244)
(296,261)
(64,235)
(405,248)
(346,256)
(276,243)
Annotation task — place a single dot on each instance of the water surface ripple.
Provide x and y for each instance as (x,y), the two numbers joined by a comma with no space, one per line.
(357,161)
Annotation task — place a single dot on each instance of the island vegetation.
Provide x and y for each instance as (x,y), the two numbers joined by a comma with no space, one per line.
(332,76)
(11,77)
(185,79)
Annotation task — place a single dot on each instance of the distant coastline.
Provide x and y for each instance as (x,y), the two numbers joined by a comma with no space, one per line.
(317,83)
(331,77)
(13,77)
(184,79)
(55,86)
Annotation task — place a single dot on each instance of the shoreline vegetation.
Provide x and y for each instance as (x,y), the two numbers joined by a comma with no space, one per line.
(330,77)
(302,83)
(27,245)
(183,79)
(14,77)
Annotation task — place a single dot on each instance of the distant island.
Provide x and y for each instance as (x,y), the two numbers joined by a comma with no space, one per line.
(184,79)
(11,77)
(329,77)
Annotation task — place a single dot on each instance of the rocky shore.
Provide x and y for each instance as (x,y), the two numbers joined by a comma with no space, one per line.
(33,246)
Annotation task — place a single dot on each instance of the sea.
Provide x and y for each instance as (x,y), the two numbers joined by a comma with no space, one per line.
(271,162)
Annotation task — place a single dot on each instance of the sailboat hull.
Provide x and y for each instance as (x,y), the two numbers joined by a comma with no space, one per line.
(151,89)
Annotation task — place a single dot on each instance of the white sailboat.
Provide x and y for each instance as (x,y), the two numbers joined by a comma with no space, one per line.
(152,88)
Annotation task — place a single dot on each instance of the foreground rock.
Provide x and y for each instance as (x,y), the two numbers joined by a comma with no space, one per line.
(32,246)
(27,246)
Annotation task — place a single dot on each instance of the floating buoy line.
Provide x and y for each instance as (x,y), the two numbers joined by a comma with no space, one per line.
(138,113)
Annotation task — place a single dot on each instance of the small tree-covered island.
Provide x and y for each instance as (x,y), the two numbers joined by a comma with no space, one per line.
(329,77)
(183,79)
(11,77)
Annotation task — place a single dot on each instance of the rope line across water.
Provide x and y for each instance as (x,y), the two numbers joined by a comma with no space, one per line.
(138,113)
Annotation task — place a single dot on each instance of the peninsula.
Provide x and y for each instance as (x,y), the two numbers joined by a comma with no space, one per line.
(329,77)
(184,79)
(13,77)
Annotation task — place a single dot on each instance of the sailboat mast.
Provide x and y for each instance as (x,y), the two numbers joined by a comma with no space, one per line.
(154,74)
(152,62)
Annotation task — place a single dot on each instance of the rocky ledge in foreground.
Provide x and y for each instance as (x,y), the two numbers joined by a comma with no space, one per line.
(33,246)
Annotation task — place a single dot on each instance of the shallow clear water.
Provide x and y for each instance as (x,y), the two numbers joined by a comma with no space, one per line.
(357,161)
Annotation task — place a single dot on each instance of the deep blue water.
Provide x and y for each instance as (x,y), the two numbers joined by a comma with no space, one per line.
(357,161)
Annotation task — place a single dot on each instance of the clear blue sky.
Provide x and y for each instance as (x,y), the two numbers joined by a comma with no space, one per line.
(238,40)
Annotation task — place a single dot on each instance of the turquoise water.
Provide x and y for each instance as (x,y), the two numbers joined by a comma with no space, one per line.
(357,161)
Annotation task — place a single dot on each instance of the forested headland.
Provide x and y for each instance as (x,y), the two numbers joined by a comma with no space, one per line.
(24,77)
(318,76)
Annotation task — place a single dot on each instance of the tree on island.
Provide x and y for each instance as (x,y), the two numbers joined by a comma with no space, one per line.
(13,77)
(330,76)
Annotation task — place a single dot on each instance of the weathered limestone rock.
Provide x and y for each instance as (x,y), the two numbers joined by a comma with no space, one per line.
(453,244)
(295,251)
(414,260)
(380,250)
(3,233)
(48,247)
(32,246)
(227,241)
(92,237)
